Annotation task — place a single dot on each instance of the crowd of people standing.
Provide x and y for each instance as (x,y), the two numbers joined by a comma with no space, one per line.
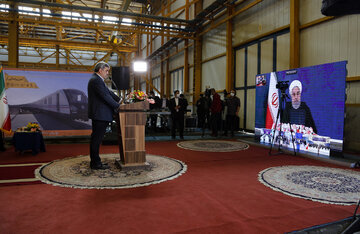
(177,107)
(212,112)
(211,109)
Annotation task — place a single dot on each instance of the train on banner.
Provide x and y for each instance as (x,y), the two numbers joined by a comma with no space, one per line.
(56,100)
(66,104)
(302,108)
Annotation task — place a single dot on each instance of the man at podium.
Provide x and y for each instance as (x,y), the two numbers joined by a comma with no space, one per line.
(102,103)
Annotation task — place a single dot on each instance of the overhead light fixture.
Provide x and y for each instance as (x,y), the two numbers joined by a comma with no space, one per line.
(140,66)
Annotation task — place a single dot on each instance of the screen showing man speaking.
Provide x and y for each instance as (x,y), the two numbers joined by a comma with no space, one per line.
(307,104)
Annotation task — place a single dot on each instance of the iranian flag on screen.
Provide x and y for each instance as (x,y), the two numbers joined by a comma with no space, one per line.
(272,102)
(5,124)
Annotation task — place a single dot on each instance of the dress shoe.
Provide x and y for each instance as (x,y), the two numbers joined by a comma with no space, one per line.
(100,167)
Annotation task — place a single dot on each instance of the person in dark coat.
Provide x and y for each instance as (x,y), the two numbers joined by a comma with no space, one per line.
(102,104)
(183,97)
(233,107)
(200,111)
(203,111)
(177,107)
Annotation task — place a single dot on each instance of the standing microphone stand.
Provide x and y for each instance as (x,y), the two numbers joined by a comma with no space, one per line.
(280,136)
(355,225)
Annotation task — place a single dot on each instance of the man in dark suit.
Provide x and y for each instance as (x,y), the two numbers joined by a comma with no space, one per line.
(177,107)
(232,113)
(102,104)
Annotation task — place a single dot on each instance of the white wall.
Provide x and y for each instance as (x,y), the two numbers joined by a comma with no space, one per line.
(332,41)
(214,42)
(156,70)
(214,74)
(264,17)
(310,10)
(207,3)
(177,61)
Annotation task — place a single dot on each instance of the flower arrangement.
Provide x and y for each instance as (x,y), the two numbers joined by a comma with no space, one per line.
(139,96)
(33,127)
(30,127)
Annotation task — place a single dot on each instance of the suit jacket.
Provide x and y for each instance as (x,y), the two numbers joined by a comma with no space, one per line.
(183,105)
(102,103)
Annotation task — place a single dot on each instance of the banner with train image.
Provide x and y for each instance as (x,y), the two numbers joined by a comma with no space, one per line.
(56,100)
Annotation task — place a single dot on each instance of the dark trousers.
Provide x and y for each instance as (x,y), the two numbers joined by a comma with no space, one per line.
(205,122)
(230,124)
(177,123)
(153,120)
(97,135)
(215,123)
(2,147)
(201,119)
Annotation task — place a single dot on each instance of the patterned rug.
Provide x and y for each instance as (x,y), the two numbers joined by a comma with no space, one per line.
(213,145)
(75,172)
(321,184)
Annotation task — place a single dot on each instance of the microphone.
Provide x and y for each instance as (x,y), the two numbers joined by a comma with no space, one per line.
(113,83)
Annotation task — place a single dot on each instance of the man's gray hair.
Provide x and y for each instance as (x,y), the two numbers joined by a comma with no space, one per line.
(100,65)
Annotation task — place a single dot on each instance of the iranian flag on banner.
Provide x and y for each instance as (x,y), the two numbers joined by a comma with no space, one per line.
(272,103)
(5,124)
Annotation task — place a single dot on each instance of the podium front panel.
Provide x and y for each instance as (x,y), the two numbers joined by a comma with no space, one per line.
(132,125)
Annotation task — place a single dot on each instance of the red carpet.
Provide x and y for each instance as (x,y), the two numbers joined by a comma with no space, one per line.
(219,193)
(53,152)
(9,173)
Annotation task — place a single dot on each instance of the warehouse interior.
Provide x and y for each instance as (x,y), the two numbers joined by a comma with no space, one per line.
(191,46)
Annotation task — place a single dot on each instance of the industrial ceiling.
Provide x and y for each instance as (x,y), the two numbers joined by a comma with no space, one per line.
(83,31)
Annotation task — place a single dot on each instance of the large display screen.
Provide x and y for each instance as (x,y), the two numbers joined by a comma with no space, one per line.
(302,109)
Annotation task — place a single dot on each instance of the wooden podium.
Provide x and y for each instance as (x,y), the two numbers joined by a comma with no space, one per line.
(131,134)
